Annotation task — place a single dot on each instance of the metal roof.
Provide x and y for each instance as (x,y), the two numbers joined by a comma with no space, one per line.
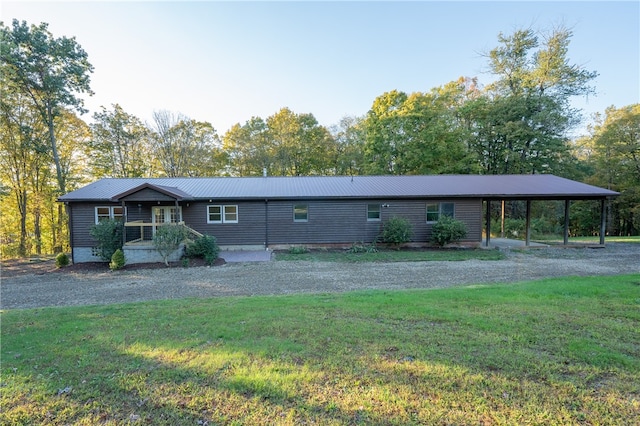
(335,187)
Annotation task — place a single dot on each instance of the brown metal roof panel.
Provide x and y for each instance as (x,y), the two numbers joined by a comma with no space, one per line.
(474,186)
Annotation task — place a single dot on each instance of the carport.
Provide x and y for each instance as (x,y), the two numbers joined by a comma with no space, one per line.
(547,188)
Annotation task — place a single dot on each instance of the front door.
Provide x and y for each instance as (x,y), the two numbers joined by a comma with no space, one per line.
(166,214)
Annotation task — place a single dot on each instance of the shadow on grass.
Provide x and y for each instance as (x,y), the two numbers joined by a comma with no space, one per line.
(552,351)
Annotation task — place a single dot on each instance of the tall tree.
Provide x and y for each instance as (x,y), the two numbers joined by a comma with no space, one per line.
(616,144)
(299,145)
(186,147)
(247,147)
(416,134)
(349,137)
(119,145)
(521,123)
(52,72)
(22,152)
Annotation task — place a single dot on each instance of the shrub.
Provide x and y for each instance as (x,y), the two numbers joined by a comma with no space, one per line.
(298,250)
(117,260)
(108,236)
(362,248)
(168,238)
(62,260)
(205,247)
(396,230)
(447,230)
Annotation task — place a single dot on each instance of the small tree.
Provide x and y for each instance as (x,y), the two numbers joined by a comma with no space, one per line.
(62,260)
(448,230)
(108,235)
(396,231)
(168,238)
(117,260)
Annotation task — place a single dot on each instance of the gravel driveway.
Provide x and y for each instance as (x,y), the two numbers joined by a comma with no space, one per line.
(245,279)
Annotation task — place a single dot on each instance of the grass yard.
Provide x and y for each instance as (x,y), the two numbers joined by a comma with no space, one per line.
(388,255)
(558,351)
(589,240)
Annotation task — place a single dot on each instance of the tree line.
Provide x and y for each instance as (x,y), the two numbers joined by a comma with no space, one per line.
(519,123)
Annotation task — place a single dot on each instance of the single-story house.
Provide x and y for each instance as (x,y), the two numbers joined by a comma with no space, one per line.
(275,212)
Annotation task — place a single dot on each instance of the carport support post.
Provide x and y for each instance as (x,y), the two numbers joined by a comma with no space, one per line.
(528,225)
(566,222)
(488,222)
(603,220)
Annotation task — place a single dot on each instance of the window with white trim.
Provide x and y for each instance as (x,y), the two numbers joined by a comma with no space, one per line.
(301,213)
(222,214)
(373,212)
(108,212)
(436,210)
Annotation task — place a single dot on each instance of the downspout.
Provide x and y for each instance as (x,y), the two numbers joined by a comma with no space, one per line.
(125,219)
(488,218)
(266,224)
(70,216)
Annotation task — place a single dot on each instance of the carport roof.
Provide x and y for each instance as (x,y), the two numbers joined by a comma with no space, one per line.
(348,187)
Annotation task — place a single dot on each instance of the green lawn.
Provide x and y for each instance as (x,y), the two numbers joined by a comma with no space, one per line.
(591,240)
(558,351)
(388,255)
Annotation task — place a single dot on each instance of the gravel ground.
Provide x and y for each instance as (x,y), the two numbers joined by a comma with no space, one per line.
(246,279)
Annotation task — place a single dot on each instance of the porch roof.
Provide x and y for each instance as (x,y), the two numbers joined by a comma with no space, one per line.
(169,191)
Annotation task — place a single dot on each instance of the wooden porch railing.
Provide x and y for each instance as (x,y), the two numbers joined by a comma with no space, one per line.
(153,225)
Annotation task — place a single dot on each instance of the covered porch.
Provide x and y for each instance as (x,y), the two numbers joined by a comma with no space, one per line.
(505,242)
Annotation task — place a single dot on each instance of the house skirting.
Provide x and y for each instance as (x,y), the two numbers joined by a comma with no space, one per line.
(148,254)
(85,254)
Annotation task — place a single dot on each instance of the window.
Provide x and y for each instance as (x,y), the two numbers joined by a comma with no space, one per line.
(230,214)
(373,212)
(215,214)
(300,213)
(435,210)
(109,212)
(222,214)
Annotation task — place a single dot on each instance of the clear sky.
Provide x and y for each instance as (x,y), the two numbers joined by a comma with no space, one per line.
(224,62)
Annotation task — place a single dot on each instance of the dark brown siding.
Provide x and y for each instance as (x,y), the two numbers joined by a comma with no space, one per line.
(329,222)
(250,228)
(84,217)
(345,221)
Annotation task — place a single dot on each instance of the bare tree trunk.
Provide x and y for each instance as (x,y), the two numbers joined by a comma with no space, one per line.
(22,207)
(37,230)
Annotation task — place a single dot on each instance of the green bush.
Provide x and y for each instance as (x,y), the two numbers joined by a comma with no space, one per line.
(298,250)
(447,230)
(117,260)
(168,239)
(62,260)
(362,248)
(108,236)
(396,231)
(205,247)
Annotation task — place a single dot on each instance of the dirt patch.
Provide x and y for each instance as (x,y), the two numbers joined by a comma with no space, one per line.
(35,285)
(41,266)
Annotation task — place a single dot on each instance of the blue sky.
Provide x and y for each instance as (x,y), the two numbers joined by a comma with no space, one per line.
(224,62)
